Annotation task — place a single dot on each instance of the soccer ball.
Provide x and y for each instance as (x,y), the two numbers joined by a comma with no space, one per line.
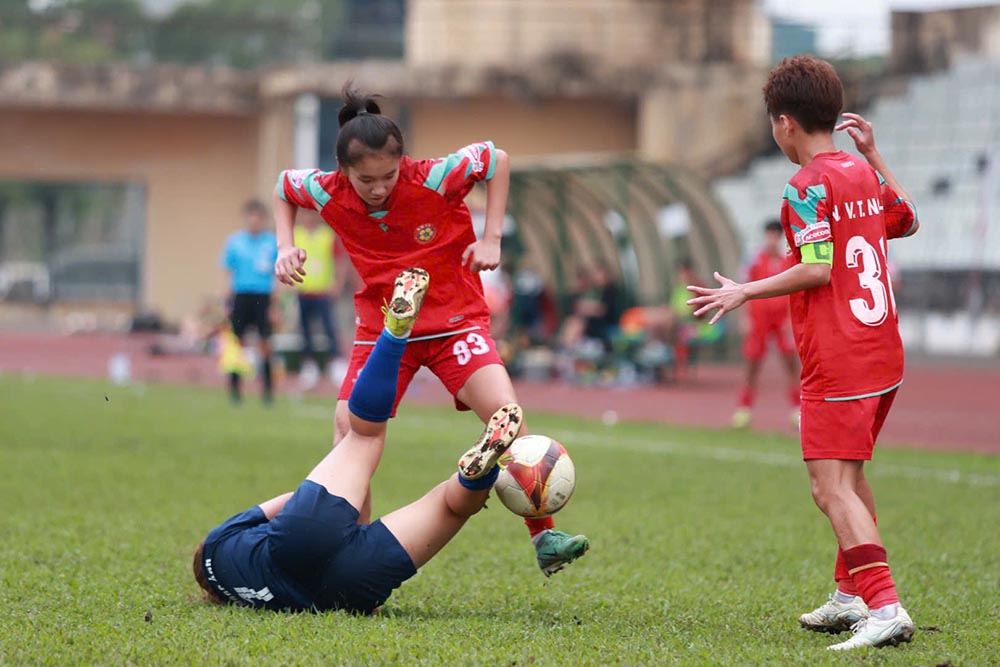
(537,477)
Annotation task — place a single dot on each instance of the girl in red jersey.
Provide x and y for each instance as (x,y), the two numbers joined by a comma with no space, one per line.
(392,212)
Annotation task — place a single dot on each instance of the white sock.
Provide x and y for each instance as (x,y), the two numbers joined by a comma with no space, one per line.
(842,597)
(535,538)
(886,613)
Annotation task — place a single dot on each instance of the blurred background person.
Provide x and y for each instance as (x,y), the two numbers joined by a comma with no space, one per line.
(317,296)
(249,256)
(588,330)
(767,319)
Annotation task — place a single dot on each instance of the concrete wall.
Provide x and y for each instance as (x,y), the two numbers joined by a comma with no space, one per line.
(928,41)
(623,33)
(438,127)
(708,120)
(197,170)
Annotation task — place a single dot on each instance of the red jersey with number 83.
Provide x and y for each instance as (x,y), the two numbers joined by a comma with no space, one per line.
(846,331)
(425,224)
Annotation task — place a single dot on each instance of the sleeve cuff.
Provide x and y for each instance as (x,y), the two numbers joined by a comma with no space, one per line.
(493,160)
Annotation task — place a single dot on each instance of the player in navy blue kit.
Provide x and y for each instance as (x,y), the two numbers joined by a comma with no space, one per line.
(313,549)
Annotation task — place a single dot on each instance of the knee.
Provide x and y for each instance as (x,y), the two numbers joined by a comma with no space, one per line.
(341,426)
(828,496)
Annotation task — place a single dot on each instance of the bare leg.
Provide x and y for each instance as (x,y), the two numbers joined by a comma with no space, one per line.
(425,526)
(753,375)
(487,390)
(864,491)
(341,427)
(347,470)
(791,366)
(834,488)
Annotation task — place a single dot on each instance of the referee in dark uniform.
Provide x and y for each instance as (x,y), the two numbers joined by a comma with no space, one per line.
(249,256)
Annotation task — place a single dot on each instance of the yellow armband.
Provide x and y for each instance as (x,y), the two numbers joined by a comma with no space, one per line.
(817,253)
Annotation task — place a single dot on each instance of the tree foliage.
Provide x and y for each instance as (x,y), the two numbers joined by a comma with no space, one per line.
(239,33)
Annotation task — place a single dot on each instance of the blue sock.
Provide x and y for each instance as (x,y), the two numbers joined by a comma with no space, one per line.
(374,391)
(483,483)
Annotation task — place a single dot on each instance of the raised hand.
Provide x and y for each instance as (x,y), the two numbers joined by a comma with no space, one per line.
(289,265)
(482,255)
(861,132)
(724,299)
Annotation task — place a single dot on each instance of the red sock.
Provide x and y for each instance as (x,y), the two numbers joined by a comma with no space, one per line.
(867,565)
(746,397)
(536,526)
(845,584)
(840,574)
(794,394)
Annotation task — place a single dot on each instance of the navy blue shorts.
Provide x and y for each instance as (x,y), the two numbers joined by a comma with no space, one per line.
(317,541)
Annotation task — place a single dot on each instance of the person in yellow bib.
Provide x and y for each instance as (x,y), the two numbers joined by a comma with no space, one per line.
(317,293)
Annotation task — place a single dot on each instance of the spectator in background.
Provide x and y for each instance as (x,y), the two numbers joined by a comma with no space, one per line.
(768,318)
(317,293)
(249,256)
(528,305)
(684,328)
(595,311)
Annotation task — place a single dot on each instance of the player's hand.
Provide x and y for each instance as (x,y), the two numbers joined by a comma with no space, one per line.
(289,266)
(861,132)
(482,255)
(724,299)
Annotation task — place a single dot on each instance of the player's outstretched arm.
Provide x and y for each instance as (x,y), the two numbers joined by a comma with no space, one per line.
(863,134)
(289,266)
(484,254)
(731,295)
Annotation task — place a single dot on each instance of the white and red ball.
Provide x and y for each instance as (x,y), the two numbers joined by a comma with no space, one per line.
(537,478)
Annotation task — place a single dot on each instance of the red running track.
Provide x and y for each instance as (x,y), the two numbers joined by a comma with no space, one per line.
(940,406)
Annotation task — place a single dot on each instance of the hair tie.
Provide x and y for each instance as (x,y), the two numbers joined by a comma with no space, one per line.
(361,111)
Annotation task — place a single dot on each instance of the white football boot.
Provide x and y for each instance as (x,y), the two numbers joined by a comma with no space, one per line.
(834,617)
(875,632)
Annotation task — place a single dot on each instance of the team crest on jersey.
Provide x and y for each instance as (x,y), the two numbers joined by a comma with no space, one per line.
(425,233)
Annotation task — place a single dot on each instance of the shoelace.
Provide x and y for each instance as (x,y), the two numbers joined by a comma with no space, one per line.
(859,626)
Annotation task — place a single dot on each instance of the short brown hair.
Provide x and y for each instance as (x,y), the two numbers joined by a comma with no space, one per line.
(807,89)
(198,566)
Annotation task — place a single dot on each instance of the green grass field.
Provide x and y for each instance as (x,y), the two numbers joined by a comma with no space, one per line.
(705,544)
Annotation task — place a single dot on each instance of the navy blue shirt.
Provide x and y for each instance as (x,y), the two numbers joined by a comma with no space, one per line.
(251,258)
(238,564)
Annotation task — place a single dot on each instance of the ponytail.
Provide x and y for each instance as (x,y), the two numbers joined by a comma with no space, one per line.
(363,128)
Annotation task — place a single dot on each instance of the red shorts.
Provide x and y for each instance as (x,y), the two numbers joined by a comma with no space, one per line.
(452,358)
(843,430)
(755,342)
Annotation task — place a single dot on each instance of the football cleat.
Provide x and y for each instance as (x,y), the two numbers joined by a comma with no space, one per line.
(741,418)
(500,431)
(407,296)
(876,633)
(555,550)
(834,617)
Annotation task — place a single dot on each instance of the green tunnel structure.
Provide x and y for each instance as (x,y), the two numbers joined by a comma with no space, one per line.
(638,219)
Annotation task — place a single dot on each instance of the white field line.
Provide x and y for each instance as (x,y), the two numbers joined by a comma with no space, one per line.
(708,452)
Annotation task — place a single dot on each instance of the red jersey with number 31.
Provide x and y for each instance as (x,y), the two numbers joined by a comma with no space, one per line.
(426,224)
(846,331)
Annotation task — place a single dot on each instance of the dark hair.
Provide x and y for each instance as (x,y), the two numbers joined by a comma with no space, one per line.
(199,575)
(363,129)
(255,206)
(807,89)
(773,225)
